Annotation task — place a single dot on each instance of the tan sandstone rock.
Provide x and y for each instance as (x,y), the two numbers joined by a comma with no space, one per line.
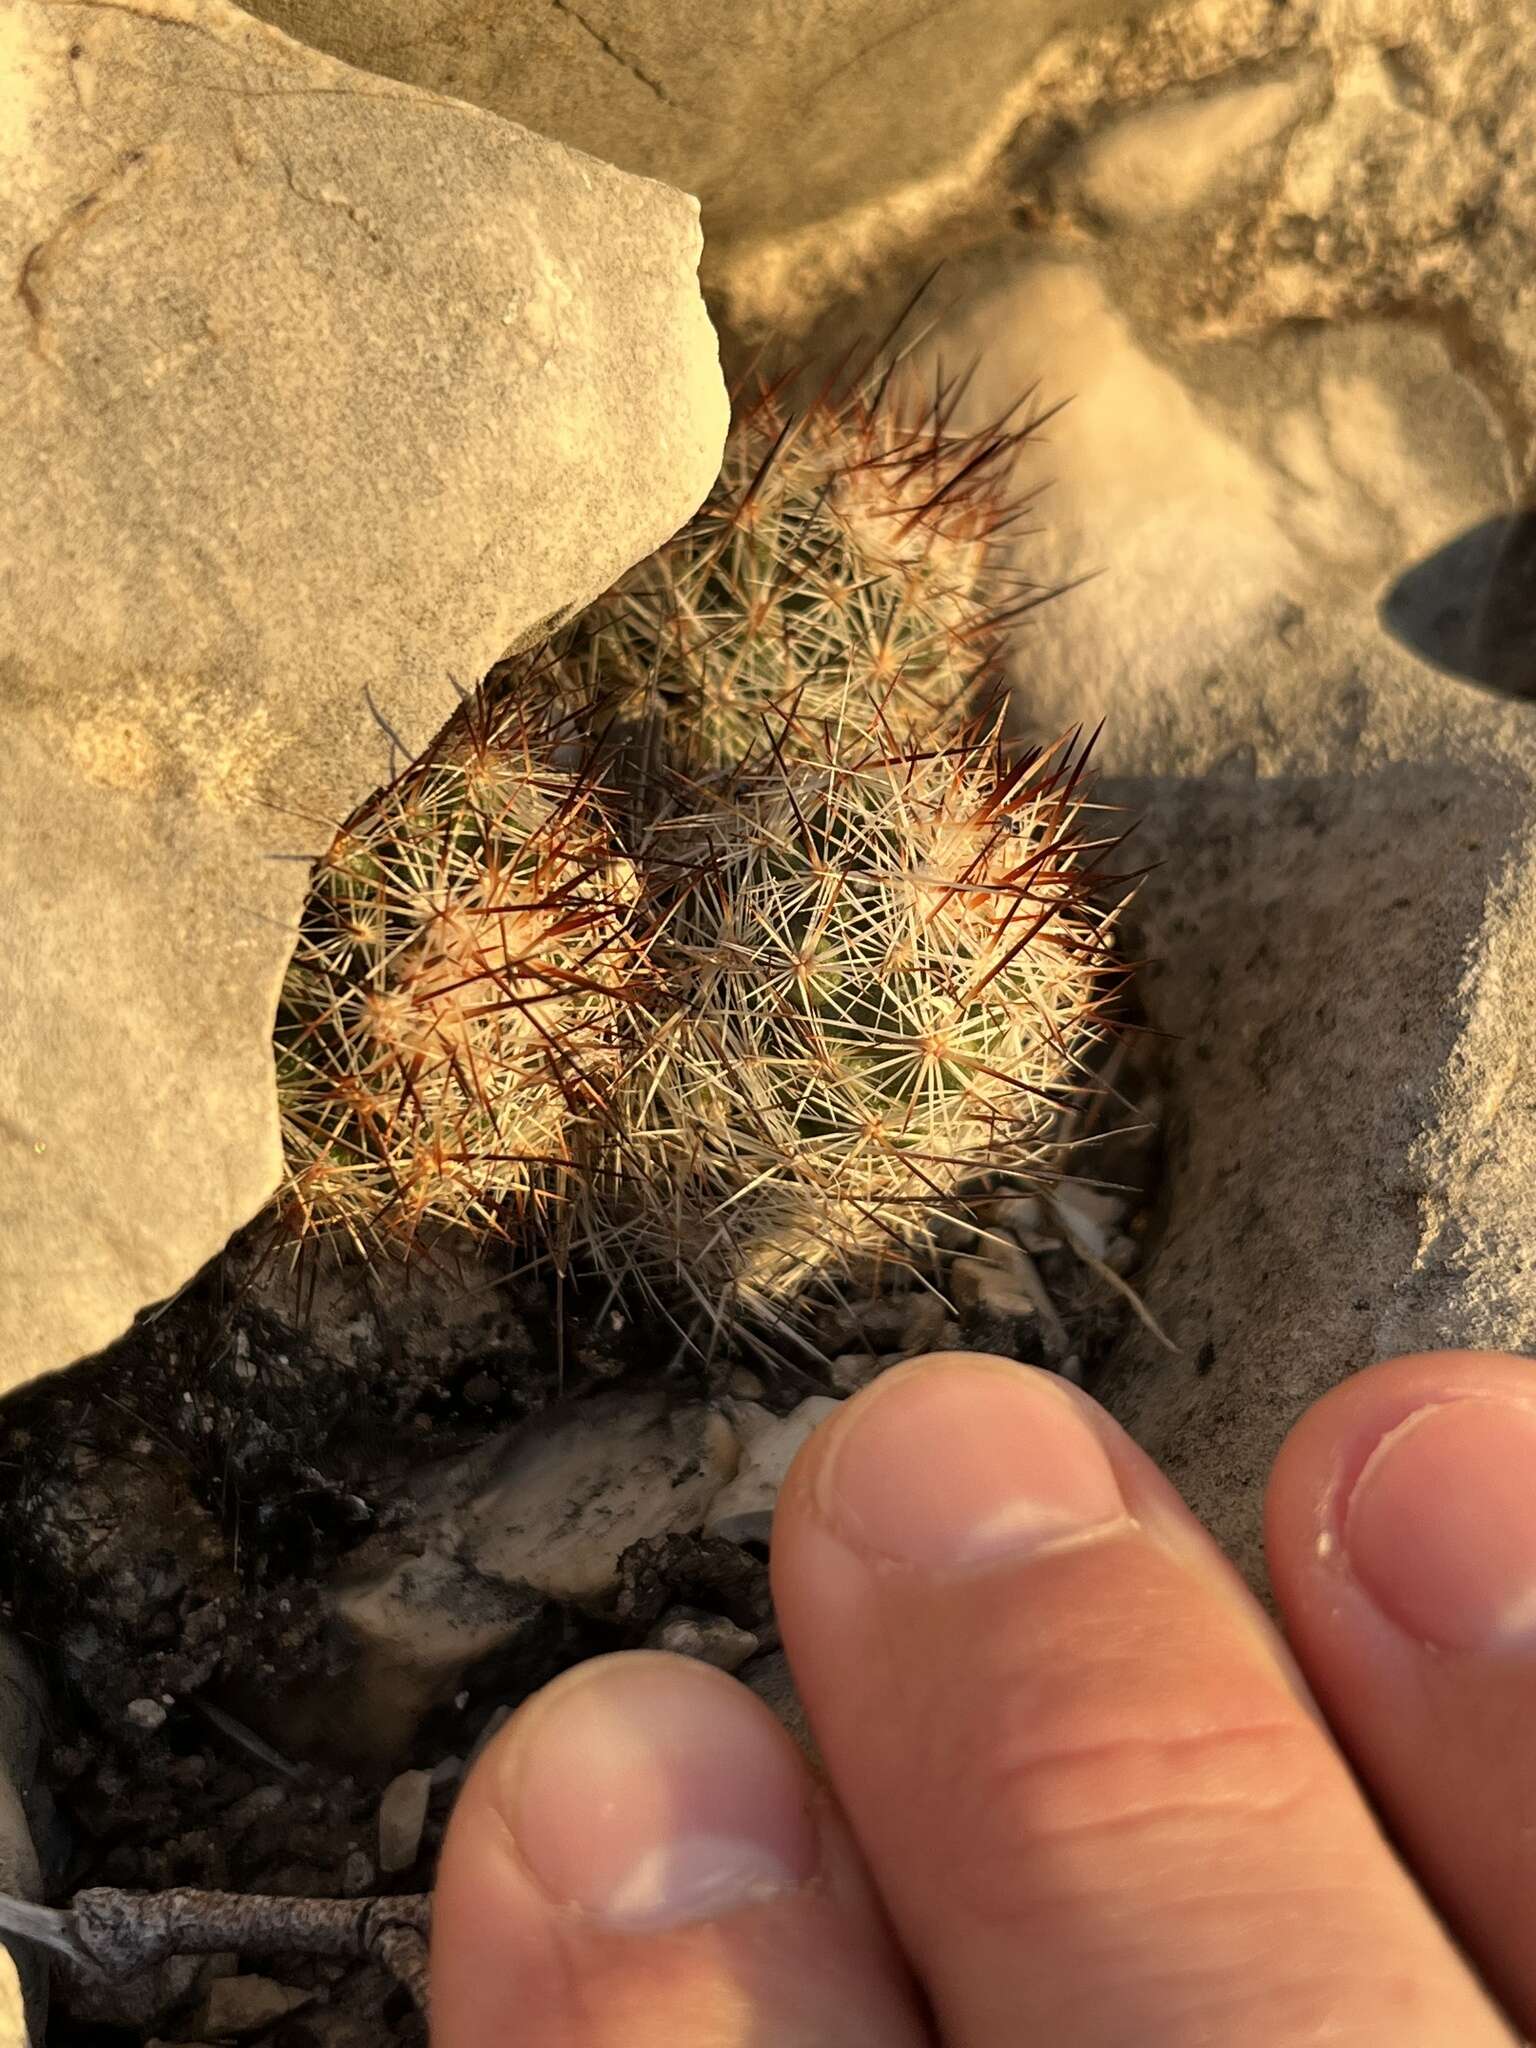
(320,392)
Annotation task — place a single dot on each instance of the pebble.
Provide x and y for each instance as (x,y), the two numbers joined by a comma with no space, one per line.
(998,1297)
(255,1806)
(710,1638)
(246,2005)
(1086,1215)
(245,1365)
(358,1873)
(146,1714)
(986,1283)
(480,1541)
(924,1323)
(877,1323)
(742,1512)
(851,1370)
(1006,1282)
(1123,1253)
(402,1816)
(493,1727)
(1023,1216)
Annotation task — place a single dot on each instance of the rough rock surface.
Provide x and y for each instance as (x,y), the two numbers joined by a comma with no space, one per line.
(320,392)
(1343,924)
(793,115)
(1259,162)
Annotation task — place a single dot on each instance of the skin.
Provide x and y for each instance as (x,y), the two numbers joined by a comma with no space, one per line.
(1077,1789)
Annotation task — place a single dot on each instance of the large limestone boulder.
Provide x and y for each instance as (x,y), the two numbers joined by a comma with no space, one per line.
(319,393)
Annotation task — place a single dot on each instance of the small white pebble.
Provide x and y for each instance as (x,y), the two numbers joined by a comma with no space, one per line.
(925,1319)
(1086,1215)
(147,1714)
(708,1638)
(402,1816)
(996,1293)
(851,1370)
(742,1511)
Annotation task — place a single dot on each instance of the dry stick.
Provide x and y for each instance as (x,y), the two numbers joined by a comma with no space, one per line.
(116,1933)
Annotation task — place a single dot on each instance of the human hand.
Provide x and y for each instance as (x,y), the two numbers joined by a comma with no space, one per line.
(1081,1794)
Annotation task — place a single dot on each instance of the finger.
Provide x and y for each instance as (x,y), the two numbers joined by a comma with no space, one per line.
(642,1857)
(1096,1805)
(1401,1529)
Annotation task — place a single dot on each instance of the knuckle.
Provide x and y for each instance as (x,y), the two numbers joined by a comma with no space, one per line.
(1044,1808)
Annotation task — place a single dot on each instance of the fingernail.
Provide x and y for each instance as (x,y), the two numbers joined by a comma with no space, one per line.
(965,1463)
(1440,1528)
(649,1790)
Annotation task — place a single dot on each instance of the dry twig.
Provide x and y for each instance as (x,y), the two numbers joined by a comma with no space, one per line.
(114,1934)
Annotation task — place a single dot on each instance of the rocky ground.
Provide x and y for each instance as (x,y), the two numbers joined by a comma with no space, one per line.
(291,1550)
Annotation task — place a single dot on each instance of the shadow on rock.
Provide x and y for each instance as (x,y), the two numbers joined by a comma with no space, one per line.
(1469,609)
(1351,1122)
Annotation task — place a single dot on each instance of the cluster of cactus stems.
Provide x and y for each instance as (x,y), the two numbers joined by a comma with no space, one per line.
(449,1027)
(719,944)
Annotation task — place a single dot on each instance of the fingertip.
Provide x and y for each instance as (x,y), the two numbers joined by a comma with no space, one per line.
(1320,1462)
(644,1788)
(643,1847)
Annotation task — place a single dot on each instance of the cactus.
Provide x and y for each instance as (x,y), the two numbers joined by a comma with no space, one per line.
(861,958)
(894,967)
(849,554)
(447,1030)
